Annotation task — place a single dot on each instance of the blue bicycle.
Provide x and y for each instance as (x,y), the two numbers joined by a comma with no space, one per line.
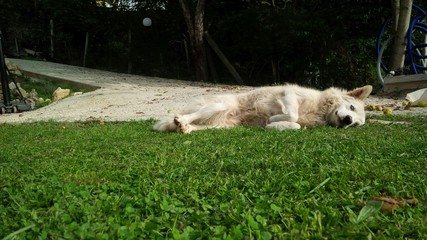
(416,48)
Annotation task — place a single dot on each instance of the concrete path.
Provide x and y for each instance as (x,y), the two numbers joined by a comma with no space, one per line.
(118,97)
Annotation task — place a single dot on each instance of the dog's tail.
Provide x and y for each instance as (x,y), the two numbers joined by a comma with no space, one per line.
(166,125)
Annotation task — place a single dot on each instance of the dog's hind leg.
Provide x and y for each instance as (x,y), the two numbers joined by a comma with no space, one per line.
(205,112)
(191,127)
(166,125)
(207,115)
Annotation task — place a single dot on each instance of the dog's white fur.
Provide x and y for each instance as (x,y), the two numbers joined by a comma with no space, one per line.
(279,107)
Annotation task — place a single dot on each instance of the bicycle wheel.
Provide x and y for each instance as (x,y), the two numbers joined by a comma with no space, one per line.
(417,48)
(384,40)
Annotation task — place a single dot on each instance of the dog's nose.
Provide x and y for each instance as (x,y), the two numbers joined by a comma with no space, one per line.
(347,120)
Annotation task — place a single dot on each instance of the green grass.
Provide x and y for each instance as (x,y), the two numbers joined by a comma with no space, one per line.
(124,181)
(45,88)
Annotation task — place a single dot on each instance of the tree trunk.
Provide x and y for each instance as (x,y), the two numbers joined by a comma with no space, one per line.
(401,18)
(195,26)
(211,65)
(395,8)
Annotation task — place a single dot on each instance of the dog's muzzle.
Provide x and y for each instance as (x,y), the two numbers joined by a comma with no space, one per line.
(346,121)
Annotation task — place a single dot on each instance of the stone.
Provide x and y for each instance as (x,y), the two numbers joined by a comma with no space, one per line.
(60,93)
(16,90)
(13,68)
(33,95)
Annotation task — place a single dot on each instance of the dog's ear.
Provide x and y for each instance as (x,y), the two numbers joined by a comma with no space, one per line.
(361,93)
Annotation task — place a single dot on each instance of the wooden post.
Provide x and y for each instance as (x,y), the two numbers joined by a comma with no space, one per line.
(211,65)
(187,55)
(224,59)
(130,51)
(86,46)
(17,46)
(51,40)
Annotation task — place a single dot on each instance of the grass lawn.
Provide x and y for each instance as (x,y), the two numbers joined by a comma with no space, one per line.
(124,181)
(46,88)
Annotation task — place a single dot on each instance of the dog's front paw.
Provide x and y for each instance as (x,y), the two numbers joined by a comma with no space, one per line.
(182,126)
(278,118)
(283,125)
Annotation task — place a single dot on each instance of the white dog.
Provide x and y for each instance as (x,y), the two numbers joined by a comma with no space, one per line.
(278,107)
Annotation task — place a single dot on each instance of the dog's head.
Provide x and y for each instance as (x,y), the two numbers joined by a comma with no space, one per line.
(350,109)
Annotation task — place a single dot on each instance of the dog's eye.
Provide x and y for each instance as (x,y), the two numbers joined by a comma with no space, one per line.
(351,107)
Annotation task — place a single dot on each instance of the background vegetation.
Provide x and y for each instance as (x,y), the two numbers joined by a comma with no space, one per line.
(314,42)
(123,181)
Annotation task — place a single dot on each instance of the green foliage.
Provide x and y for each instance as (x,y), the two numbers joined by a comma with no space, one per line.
(317,43)
(124,181)
(45,88)
(312,44)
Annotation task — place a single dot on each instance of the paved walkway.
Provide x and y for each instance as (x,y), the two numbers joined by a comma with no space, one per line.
(85,76)
(118,97)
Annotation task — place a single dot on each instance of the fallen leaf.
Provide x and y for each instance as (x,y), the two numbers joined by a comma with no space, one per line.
(412,201)
(390,203)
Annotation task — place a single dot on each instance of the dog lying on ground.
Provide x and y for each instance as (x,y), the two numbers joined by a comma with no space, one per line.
(278,107)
